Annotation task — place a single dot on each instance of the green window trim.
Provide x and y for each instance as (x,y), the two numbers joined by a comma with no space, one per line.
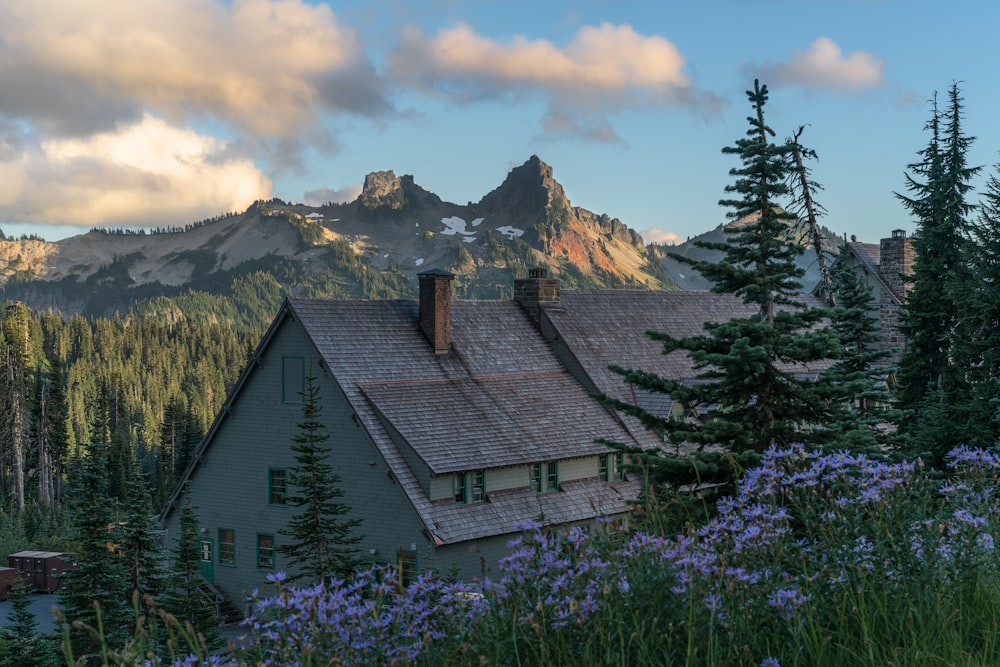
(469,488)
(619,470)
(227,547)
(265,551)
(293,379)
(535,477)
(408,564)
(551,476)
(603,471)
(543,477)
(277,486)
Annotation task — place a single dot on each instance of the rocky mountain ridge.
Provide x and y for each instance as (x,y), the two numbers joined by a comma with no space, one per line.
(372,247)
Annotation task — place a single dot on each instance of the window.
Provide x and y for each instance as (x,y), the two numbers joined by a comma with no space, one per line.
(277,486)
(227,546)
(478,486)
(407,567)
(611,467)
(619,471)
(469,487)
(265,552)
(544,477)
(293,379)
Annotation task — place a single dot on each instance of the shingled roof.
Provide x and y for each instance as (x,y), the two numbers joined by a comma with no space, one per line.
(500,397)
(601,328)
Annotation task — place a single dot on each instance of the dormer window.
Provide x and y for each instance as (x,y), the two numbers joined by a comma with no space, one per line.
(611,467)
(469,487)
(543,477)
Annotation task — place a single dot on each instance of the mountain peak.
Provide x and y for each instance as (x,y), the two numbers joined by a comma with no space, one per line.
(526,193)
(384,188)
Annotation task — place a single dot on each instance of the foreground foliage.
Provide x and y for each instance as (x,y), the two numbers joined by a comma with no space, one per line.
(818,559)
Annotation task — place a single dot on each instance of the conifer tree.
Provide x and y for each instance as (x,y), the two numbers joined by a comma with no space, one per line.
(937,185)
(21,640)
(139,545)
(977,335)
(98,580)
(322,537)
(15,370)
(856,382)
(186,598)
(747,386)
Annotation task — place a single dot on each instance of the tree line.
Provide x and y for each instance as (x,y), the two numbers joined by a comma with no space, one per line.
(819,374)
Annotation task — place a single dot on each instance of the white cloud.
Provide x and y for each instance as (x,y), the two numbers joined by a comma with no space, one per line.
(145,174)
(825,66)
(602,70)
(264,67)
(657,235)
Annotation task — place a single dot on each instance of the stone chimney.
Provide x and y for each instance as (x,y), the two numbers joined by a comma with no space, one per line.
(535,292)
(435,308)
(896,257)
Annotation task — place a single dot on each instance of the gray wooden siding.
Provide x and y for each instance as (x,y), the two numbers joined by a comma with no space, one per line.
(230,486)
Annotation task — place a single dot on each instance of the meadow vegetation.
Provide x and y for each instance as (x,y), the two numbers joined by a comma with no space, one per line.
(818,559)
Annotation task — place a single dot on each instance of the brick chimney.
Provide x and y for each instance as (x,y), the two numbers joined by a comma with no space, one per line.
(896,257)
(535,292)
(435,308)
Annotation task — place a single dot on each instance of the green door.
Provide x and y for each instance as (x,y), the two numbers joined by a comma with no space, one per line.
(206,564)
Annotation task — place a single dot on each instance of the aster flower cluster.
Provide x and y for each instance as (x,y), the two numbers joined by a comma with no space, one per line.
(810,544)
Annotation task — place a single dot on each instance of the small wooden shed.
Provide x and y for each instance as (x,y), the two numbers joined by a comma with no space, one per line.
(8,578)
(41,570)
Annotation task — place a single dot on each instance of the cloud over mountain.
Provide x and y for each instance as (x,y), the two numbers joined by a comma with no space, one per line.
(602,70)
(825,66)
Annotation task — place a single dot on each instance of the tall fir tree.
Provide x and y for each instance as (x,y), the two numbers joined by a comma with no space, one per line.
(748,388)
(139,544)
(937,186)
(322,541)
(976,346)
(186,597)
(856,382)
(20,640)
(15,417)
(98,580)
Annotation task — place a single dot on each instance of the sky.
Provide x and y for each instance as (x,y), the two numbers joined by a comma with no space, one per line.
(154,113)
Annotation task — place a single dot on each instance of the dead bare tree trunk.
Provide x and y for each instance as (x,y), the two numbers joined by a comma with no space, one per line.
(809,207)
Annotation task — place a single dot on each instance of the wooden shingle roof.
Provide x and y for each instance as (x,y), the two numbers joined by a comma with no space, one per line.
(499,397)
(601,328)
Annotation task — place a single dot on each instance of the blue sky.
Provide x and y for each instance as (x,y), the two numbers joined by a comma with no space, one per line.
(164,112)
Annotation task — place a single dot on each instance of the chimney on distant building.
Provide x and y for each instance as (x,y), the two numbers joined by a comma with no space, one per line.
(896,258)
(535,292)
(435,308)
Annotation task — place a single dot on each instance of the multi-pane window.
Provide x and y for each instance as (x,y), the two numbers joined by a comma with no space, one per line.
(469,487)
(265,551)
(544,477)
(611,467)
(227,546)
(619,471)
(277,486)
(552,476)
(293,379)
(478,486)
